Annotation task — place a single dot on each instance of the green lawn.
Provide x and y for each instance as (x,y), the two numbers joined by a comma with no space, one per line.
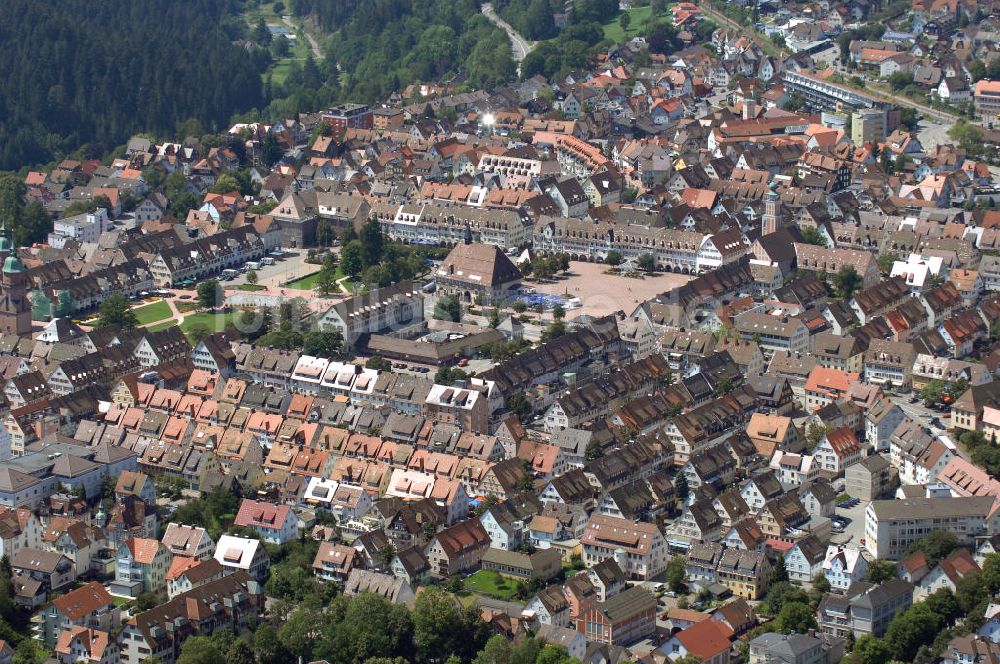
(639,15)
(215,322)
(251,287)
(308,282)
(299,46)
(264,10)
(162,326)
(486,583)
(152,313)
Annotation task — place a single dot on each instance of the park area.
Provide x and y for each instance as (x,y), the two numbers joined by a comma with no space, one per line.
(637,17)
(310,281)
(485,582)
(216,322)
(213,322)
(307,282)
(152,313)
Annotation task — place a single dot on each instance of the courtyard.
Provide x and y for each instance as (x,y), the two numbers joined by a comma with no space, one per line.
(601,294)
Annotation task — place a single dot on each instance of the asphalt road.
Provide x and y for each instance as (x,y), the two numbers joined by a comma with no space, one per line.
(920,413)
(520,46)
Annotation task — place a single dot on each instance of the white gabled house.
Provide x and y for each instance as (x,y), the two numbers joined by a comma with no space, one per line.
(844,566)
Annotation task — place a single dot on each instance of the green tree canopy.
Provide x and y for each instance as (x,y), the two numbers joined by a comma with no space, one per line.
(116,310)
(200,650)
(795,617)
(352,258)
(780,573)
(935,546)
(209,294)
(448,308)
(846,281)
(441,628)
(880,571)
(379,363)
(677,574)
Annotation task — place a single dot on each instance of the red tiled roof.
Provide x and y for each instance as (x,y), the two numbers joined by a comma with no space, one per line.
(143,550)
(78,603)
(843,441)
(261,515)
(705,639)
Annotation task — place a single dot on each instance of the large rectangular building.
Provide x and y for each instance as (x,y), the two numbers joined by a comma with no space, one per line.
(891,526)
(821,94)
(348,116)
(622,620)
(381,310)
(639,548)
(987,99)
(228,603)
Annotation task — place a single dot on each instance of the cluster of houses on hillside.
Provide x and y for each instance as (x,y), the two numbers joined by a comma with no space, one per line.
(800,398)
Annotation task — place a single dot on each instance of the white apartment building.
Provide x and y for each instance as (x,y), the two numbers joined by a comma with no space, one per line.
(516,171)
(437,224)
(86,227)
(381,310)
(639,548)
(891,526)
(773,333)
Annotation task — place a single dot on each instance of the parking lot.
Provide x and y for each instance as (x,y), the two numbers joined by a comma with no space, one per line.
(290,266)
(854,531)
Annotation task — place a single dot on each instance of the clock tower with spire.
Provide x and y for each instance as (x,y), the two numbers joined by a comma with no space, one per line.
(771,219)
(15,308)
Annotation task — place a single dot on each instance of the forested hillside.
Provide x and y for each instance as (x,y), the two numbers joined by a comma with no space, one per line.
(81,71)
(532,18)
(328,14)
(384,45)
(98,71)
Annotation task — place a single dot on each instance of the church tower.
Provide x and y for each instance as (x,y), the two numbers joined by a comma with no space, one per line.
(771,220)
(15,308)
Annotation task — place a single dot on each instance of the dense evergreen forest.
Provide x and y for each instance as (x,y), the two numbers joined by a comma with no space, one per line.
(572,47)
(534,18)
(328,14)
(97,71)
(531,18)
(384,45)
(94,72)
